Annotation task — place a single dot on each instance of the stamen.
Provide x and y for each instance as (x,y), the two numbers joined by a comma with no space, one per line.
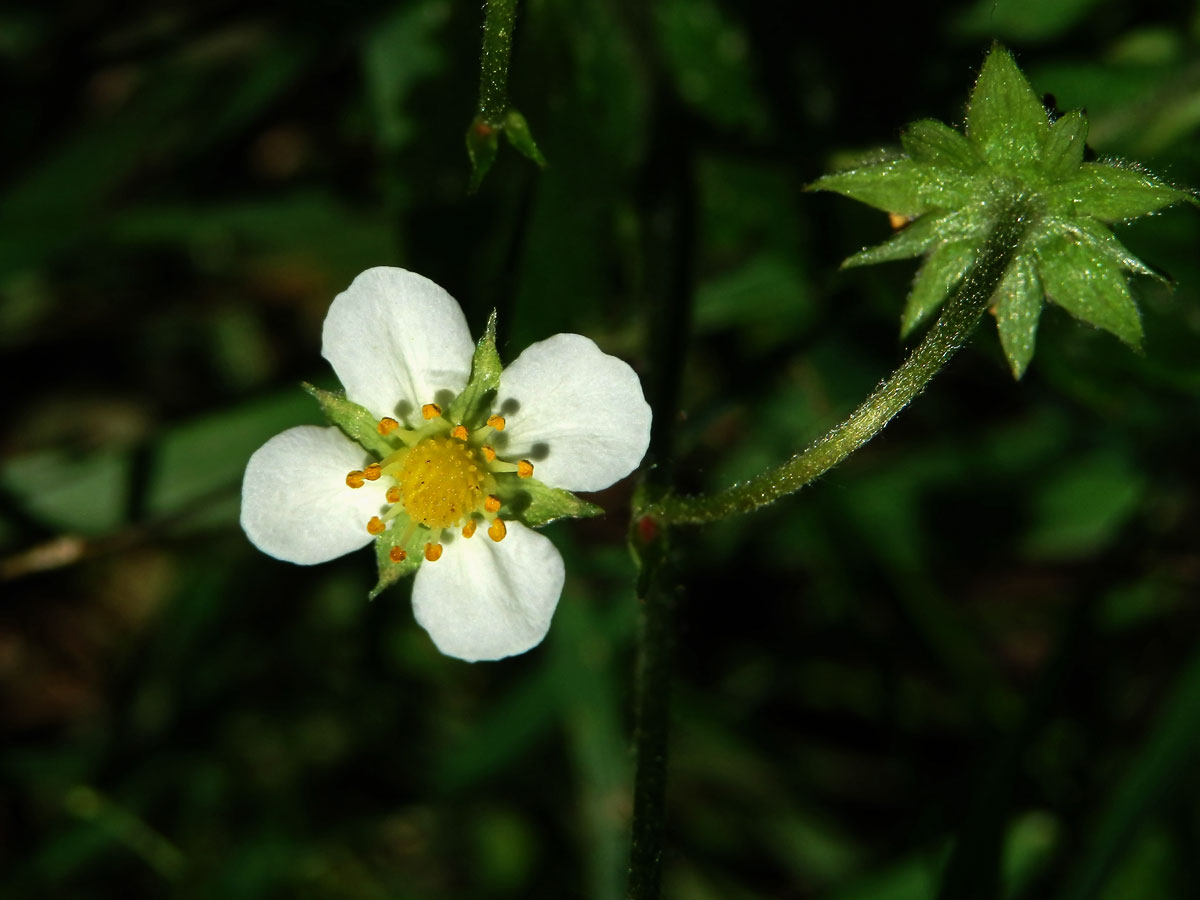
(497,530)
(458,431)
(489,453)
(354,479)
(376,526)
(431,411)
(496,422)
(372,472)
(469,529)
(524,469)
(492,503)
(387,425)
(433,552)
(394,494)
(397,555)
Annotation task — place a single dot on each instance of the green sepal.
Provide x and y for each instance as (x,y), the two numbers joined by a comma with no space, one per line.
(1090,287)
(516,129)
(1113,192)
(391,572)
(1017,309)
(935,143)
(535,504)
(1099,238)
(471,406)
(355,421)
(942,270)
(1006,121)
(1063,153)
(482,143)
(902,186)
(916,239)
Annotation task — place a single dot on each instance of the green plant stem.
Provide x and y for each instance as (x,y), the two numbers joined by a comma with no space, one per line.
(668,217)
(498,24)
(958,319)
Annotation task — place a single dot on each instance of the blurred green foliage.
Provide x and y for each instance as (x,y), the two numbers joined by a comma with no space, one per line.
(962,665)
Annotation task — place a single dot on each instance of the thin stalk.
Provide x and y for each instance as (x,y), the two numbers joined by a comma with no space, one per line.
(498,24)
(958,319)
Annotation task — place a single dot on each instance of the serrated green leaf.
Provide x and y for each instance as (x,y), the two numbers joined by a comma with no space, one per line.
(1017,310)
(1090,287)
(355,421)
(391,572)
(1005,119)
(535,504)
(941,271)
(934,142)
(1063,153)
(1111,191)
(470,407)
(900,186)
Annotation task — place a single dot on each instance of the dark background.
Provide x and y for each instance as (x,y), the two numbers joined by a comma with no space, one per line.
(961,665)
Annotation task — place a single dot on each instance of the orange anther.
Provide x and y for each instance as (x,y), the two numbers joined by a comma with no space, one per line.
(433,552)
(524,469)
(492,503)
(397,555)
(387,425)
(496,422)
(469,529)
(431,410)
(354,479)
(393,494)
(488,453)
(458,431)
(497,530)
(376,526)
(372,472)
(897,221)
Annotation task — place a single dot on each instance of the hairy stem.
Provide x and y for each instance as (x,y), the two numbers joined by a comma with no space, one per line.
(958,319)
(498,23)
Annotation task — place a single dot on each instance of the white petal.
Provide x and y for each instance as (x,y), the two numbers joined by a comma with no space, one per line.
(295,502)
(488,600)
(575,412)
(397,341)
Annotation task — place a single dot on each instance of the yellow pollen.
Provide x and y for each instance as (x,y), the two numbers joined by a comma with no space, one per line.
(393,494)
(397,555)
(488,453)
(354,479)
(372,472)
(524,469)
(469,529)
(497,530)
(431,411)
(492,503)
(433,552)
(458,431)
(496,422)
(375,526)
(440,482)
(387,425)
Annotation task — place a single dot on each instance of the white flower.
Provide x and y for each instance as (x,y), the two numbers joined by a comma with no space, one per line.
(401,347)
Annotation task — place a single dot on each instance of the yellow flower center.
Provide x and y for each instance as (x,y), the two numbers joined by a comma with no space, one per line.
(441,482)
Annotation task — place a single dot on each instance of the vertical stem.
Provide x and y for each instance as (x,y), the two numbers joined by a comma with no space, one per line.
(668,217)
(498,23)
